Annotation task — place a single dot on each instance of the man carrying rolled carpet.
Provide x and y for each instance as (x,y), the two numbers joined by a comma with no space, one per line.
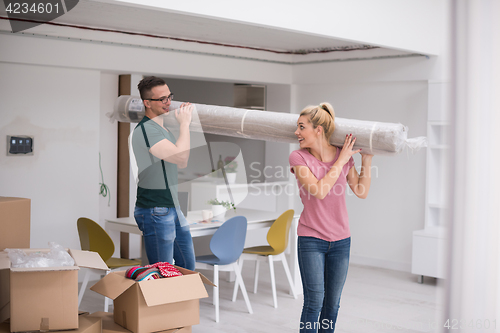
(158,155)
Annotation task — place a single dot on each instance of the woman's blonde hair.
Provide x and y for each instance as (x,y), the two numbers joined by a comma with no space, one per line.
(321,115)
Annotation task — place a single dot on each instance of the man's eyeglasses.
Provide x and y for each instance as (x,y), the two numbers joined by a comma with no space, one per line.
(164,100)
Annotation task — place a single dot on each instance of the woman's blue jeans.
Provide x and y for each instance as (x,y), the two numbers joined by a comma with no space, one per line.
(164,238)
(323,268)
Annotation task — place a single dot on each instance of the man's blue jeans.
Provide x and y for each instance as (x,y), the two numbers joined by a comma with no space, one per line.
(323,268)
(164,238)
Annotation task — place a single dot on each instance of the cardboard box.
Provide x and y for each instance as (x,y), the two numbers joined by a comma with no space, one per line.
(44,298)
(86,324)
(15,214)
(155,305)
(109,325)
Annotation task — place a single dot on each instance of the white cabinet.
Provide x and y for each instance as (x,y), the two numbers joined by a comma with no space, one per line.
(429,244)
(427,258)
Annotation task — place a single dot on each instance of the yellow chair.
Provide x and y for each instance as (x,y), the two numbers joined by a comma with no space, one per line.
(277,237)
(94,238)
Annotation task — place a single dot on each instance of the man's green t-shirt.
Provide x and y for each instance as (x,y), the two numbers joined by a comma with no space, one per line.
(157,180)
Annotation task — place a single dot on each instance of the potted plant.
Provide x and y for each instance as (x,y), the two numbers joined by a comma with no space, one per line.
(230,165)
(219,208)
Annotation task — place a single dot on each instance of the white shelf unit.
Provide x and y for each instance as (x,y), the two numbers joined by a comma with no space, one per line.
(437,151)
(429,244)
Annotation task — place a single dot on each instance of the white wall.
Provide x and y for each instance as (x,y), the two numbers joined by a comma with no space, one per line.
(60,108)
(108,145)
(381,225)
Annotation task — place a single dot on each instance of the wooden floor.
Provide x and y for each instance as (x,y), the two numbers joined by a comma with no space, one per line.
(374,300)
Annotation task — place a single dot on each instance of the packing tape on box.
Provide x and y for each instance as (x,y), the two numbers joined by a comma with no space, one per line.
(124,320)
(44,324)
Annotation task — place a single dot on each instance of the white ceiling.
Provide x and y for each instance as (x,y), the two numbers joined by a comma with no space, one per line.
(122,17)
(141,20)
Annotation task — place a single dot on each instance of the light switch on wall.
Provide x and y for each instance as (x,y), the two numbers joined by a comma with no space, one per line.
(19,145)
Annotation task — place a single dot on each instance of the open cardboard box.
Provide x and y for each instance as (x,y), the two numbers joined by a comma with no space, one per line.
(44,298)
(155,305)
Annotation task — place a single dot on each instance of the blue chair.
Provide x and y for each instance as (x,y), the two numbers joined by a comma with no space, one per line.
(226,245)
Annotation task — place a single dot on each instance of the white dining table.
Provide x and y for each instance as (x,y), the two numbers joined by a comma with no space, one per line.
(256,219)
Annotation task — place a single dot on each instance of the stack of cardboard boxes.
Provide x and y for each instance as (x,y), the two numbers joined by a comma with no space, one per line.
(46,299)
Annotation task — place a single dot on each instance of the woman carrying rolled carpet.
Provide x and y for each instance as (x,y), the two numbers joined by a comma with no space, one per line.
(323,172)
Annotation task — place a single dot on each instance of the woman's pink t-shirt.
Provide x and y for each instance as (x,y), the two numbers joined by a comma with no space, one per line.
(326,219)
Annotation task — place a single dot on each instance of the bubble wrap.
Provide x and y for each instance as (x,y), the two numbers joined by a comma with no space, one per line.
(378,138)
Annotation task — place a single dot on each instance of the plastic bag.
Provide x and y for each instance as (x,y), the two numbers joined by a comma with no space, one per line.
(57,256)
